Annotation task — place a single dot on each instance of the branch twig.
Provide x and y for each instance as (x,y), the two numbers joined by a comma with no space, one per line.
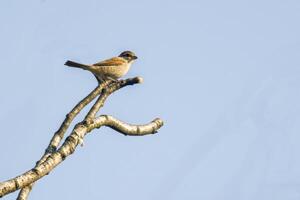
(128,129)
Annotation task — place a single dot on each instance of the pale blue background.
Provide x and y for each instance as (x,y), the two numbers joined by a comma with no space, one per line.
(224,75)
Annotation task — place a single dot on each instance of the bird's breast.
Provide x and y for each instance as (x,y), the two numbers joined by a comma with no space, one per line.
(113,71)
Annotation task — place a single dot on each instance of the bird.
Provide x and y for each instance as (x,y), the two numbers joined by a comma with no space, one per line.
(110,69)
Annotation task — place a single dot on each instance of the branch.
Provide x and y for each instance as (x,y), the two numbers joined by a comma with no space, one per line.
(69,146)
(23,195)
(106,91)
(128,129)
(59,134)
(54,157)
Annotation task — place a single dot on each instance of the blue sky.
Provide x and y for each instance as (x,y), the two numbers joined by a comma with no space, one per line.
(224,76)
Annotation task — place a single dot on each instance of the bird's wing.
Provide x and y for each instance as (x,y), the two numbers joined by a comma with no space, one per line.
(111,62)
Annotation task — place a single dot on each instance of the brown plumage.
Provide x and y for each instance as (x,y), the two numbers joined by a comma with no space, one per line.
(113,68)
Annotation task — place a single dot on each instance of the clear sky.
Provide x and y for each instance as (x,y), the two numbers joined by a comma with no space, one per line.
(224,76)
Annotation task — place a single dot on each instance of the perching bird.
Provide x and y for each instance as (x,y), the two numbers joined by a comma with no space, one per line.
(110,69)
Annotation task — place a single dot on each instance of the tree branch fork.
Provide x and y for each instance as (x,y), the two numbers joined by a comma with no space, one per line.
(55,154)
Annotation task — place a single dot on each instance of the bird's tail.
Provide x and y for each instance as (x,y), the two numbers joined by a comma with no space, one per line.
(78,65)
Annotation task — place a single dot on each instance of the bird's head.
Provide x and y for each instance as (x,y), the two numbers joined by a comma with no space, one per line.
(128,55)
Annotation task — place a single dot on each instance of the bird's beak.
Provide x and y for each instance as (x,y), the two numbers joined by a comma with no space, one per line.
(135,57)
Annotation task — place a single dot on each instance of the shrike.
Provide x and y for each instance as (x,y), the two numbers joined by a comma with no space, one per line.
(110,69)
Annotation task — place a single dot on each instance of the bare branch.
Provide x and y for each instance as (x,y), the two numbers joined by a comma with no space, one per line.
(106,89)
(69,146)
(59,134)
(128,129)
(53,157)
